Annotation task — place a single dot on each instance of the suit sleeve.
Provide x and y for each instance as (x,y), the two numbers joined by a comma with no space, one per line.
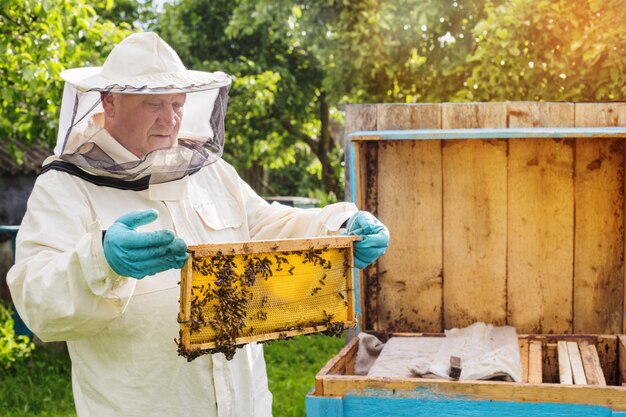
(61,284)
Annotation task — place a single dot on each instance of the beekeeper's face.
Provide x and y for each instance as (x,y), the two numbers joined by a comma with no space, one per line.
(143,122)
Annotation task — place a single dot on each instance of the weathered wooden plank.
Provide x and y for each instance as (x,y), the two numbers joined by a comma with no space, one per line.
(523,352)
(540,114)
(591,363)
(474,232)
(622,358)
(565,368)
(606,114)
(609,396)
(540,235)
(369,276)
(361,117)
(607,347)
(600,114)
(410,205)
(578,372)
(535,362)
(599,233)
(409,116)
(358,117)
(551,364)
(473,115)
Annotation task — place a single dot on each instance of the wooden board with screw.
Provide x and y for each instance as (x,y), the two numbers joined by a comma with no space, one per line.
(236,293)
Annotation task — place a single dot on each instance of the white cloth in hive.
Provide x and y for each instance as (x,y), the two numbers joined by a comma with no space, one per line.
(486,352)
(401,354)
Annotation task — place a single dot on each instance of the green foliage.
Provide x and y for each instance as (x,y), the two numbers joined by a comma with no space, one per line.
(296,63)
(276,100)
(40,386)
(12,348)
(549,50)
(39,39)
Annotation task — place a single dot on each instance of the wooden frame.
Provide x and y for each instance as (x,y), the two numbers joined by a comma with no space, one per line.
(337,379)
(330,299)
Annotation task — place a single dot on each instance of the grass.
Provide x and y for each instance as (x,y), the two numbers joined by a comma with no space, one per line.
(41,386)
(291,368)
(38,386)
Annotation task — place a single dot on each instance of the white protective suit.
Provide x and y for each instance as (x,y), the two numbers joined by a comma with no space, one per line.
(120,331)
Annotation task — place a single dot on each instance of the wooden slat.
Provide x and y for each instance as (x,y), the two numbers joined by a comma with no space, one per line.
(591,363)
(607,347)
(622,359)
(540,235)
(540,114)
(599,232)
(358,117)
(475,227)
(410,288)
(578,372)
(523,352)
(410,205)
(611,397)
(280,245)
(551,364)
(535,362)
(473,115)
(369,276)
(565,368)
(610,283)
(409,116)
(600,114)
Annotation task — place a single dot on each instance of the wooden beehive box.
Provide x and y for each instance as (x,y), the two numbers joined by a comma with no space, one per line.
(506,213)
(236,293)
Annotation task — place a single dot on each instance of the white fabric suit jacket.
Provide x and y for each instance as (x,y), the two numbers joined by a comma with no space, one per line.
(120,331)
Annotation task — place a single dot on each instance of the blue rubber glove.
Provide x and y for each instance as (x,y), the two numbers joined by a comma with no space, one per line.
(375,238)
(136,254)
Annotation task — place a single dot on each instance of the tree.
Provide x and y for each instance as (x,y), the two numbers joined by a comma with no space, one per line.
(270,112)
(38,39)
(322,54)
(549,50)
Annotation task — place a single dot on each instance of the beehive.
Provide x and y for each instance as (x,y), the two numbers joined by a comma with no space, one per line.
(507,213)
(258,291)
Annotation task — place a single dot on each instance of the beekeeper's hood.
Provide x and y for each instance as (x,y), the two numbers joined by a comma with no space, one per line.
(142,64)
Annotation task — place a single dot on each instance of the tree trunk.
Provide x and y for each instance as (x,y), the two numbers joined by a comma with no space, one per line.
(324,147)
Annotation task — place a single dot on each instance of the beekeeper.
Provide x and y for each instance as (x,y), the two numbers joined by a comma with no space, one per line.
(136,177)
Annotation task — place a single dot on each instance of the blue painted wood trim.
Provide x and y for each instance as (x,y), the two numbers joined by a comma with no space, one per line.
(538,132)
(357,406)
(352,170)
(355,273)
(376,406)
(324,406)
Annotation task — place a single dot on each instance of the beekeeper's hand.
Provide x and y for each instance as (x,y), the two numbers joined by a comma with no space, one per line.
(375,238)
(137,254)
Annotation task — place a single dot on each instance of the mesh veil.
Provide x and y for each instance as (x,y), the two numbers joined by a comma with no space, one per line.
(200,139)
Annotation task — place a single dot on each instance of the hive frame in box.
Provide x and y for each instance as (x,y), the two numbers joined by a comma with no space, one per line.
(509,213)
(257,291)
